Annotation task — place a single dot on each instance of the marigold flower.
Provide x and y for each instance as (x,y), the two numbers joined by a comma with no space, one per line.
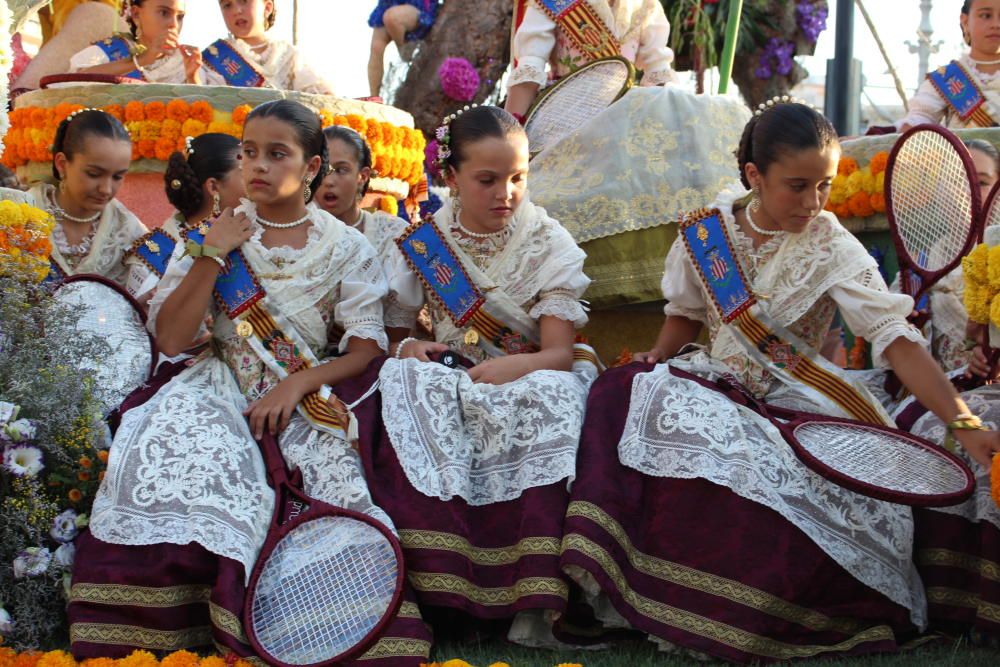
(135,111)
(139,659)
(995,480)
(170,129)
(75,495)
(85,462)
(83,476)
(99,662)
(847,166)
(240,114)
(878,202)
(976,264)
(116,110)
(202,111)
(213,661)
(455,662)
(178,110)
(193,128)
(181,659)
(156,111)
(165,148)
(103,455)
(879,162)
(27,659)
(56,659)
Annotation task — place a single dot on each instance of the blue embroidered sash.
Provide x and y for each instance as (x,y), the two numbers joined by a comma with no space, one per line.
(154,250)
(958,88)
(237,288)
(234,68)
(55,276)
(778,350)
(117,48)
(441,272)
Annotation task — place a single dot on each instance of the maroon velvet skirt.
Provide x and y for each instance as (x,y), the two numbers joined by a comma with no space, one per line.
(488,561)
(168,597)
(692,563)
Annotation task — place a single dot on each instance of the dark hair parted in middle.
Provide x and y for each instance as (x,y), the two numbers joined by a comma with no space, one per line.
(476,124)
(75,128)
(212,155)
(784,128)
(359,146)
(308,129)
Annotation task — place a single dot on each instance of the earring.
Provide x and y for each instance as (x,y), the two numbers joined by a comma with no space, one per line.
(755,201)
(62,183)
(456,202)
(307,193)
(216,205)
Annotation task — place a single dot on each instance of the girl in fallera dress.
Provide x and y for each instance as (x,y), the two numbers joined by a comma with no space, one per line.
(94,231)
(965,92)
(340,195)
(473,463)
(200,183)
(701,528)
(247,58)
(185,505)
(152,52)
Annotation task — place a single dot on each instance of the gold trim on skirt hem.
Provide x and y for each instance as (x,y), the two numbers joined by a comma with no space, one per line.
(435,582)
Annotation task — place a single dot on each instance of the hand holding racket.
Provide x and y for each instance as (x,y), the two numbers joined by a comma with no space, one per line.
(875,461)
(327,580)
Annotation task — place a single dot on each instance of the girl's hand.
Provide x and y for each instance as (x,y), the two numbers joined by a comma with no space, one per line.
(160,47)
(419,349)
(502,369)
(192,64)
(654,356)
(981,445)
(979,366)
(273,411)
(229,231)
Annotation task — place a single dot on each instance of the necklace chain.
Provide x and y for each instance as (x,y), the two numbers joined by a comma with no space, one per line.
(283,225)
(59,212)
(759,230)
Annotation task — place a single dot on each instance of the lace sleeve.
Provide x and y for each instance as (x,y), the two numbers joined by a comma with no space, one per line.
(533,43)
(873,313)
(179,266)
(91,56)
(406,295)
(926,106)
(655,58)
(681,287)
(561,303)
(359,311)
(559,295)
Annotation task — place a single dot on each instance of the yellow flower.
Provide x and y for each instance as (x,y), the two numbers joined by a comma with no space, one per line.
(977,302)
(455,662)
(56,659)
(976,264)
(499,664)
(181,659)
(995,310)
(880,182)
(139,659)
(213,661)
(861,181)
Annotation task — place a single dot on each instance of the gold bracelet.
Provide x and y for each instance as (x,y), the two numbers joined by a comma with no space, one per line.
(966,422)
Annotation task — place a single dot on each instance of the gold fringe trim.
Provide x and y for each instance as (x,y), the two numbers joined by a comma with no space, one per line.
(130,635)
(433,582)
(682,575)
(529,546)
(948,558)
(722,633)
(398,647)
(952,597)
(140,596)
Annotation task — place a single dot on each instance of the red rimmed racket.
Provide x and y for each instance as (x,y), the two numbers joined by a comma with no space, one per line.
(875,461)
(933,205)
(106,311)
(327,582)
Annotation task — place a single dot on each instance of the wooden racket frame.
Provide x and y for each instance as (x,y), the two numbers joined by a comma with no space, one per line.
(908,267)
(95,278)
(787,421)
(287,488)
(545,93)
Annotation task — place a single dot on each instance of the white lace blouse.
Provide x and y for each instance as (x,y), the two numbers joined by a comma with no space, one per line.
(169,69)
(281,65)
(927,105)
(316,287)
(640,26)
(829,262)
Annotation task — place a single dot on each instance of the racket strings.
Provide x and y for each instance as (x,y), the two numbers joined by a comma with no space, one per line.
(323,589)
(931,200)
(568,107)
(880,458)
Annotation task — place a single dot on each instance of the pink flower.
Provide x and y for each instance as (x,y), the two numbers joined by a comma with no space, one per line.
(459,79)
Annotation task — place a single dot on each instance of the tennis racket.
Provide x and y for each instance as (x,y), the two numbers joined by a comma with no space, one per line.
(875,461)
(566,106)
(327,580)
(933,205)
(107,312)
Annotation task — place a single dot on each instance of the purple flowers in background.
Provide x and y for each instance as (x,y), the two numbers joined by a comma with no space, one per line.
(776,59)
(459,79)
(811,18)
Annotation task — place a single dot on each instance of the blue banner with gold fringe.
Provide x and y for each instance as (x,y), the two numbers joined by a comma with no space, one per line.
(234,68)
(117,48)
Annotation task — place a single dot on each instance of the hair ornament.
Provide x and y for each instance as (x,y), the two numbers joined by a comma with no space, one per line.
(443,136)
(69,118)
(176,184)
(778,100)
(188,146)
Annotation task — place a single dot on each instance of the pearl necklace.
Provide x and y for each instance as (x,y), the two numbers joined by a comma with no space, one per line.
(283,225)
(762,232)
(983,62)
(60,213)
(476,235)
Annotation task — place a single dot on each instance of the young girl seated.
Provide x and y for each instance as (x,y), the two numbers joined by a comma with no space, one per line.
(94,231)
(200,183)
(340,195)
(185,505)
(152,52)
(477,460)
(399,21)
(701,527)
(248,59)
(965,92)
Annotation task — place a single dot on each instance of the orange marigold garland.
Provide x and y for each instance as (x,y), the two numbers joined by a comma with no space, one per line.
(995,479)
(159,128)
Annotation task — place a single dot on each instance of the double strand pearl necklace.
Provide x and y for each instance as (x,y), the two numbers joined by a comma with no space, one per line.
(762,232)
(283,225)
